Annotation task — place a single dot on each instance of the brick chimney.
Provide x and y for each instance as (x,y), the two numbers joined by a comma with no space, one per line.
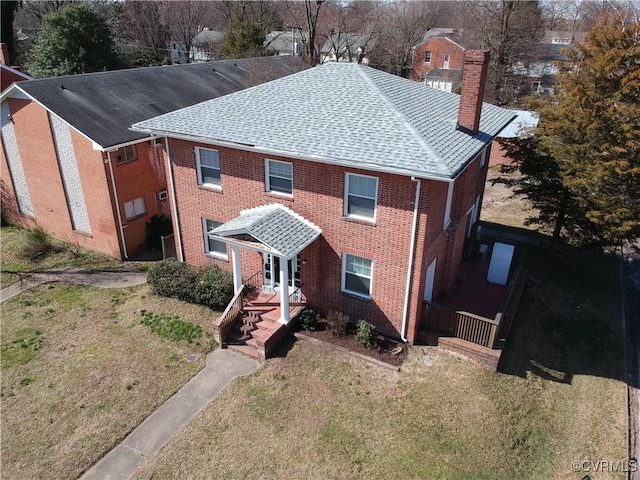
(474,78)
(4,55)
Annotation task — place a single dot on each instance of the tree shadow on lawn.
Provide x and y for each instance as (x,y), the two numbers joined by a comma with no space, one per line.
(568,321)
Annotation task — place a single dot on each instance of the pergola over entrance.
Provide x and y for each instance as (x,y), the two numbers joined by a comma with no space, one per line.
(272,229)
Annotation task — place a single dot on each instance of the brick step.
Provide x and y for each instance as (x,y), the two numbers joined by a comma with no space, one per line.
(246,350)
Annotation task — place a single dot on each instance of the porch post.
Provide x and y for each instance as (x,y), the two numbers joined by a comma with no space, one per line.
(284,291)
(237,272)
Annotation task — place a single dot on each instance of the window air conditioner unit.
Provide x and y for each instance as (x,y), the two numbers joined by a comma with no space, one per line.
(161,195)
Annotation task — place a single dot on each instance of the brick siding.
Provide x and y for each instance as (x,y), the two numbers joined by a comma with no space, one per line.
(438,47)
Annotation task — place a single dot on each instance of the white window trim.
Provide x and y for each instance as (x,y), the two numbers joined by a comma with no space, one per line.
(347,175)
(201,183)
(125,160)
(344,277)
(267,182)
(207,252)
(136,214)
(430,56)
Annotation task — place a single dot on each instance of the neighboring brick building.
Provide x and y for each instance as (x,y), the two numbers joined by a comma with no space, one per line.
(356,186)
(437,60)
(72,166)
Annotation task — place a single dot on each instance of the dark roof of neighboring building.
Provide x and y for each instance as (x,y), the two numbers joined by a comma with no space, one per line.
(371,120)
(102,106)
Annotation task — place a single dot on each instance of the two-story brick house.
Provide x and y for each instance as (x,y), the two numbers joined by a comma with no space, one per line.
(353,185)
(72,166)
(437,60)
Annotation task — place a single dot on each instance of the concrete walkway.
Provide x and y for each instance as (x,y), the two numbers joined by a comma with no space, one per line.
(222,367)
(96,278)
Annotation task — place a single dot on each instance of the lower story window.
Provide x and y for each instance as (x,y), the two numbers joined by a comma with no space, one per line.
(212,246)
(356,275)
(135,208)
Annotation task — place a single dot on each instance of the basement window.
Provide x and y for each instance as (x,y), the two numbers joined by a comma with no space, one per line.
(135,208)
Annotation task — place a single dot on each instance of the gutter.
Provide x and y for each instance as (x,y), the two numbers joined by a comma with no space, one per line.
(174,202)
(117,202)
(412,248)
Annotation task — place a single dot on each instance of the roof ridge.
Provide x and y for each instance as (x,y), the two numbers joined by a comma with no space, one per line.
(405,122)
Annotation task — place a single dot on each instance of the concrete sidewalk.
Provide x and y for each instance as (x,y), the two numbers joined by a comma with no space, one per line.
(96,278)
(222,367)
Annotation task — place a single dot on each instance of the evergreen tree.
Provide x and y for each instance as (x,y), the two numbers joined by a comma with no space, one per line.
(243,37)
(587,147)
(73,39)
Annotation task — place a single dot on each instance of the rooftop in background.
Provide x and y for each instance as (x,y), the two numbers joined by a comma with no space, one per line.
(343,114)
(453,34)
(102,106)
(524,122)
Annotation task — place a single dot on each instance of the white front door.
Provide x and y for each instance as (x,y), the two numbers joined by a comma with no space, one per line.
(271,271)
(428,284)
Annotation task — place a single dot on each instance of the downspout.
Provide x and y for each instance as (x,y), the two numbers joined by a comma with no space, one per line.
(174,201)
(412,248)
(117,202)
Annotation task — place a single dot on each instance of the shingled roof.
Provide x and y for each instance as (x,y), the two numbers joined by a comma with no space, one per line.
(343,114)
(103,106)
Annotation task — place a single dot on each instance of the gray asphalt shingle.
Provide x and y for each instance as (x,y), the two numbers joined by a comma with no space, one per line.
(345,114)
(277,227)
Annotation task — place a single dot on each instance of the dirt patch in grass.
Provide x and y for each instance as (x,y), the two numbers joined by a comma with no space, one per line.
(80,371)
(500,205)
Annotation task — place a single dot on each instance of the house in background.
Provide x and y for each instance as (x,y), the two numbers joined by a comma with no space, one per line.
(205,46)
(521,127)
(360,201)
(346,47)
(72,166)
(437,60)
(279,42)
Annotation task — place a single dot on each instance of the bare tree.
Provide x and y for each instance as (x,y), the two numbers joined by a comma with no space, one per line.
(185,19)
(144,25)
(304,16)
(512,31)
(405,25)
(40,8)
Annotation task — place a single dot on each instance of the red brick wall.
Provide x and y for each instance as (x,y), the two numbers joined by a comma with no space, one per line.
(318,196)
(498,154)
(143,177)
(438,47)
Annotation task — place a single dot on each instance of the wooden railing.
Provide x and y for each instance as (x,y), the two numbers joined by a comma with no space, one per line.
(464,325)
(224,324)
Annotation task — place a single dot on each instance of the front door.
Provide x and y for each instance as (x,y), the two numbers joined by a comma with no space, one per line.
(445,61)
(271,271)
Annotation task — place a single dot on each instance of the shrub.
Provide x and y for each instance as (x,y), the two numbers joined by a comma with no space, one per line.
(171,327)
(36,244)
(366,333)
(338,322)
(308,320)
(170,278)
(214,288)
(157,226)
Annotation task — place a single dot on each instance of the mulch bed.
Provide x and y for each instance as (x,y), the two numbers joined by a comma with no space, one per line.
(381,352)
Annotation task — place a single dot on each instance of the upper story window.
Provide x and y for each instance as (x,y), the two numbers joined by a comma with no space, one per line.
(135,208)
(357,273)
(445,61)
(279,177)
(361,196)
(208,168)
(213,247)
(126,154)
(427,56)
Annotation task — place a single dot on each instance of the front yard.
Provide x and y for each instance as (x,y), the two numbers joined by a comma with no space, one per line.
(79,371)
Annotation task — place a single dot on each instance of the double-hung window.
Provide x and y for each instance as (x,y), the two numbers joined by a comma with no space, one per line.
(279,177)
(126,154)
(356,275)
(211,246)
(208,167)
(361,196)
(135,208)
(427,56)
